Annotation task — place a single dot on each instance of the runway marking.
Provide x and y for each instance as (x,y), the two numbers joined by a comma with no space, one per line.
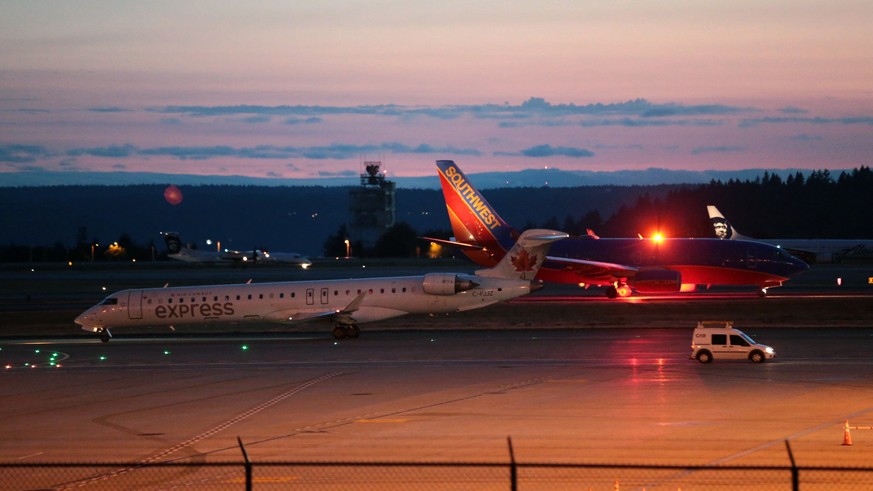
(382,420)
(206,434)
(29,456)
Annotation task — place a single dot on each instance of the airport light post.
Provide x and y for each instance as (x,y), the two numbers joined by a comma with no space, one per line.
(348,248)
(93,245)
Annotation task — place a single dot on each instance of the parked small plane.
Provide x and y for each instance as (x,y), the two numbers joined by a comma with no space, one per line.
(810,250)
(347,302)
(621,265)
(177,250)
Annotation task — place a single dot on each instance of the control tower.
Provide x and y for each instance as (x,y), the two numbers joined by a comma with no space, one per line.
(371,206)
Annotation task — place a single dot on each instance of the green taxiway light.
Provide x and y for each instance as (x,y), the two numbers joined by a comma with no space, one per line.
(102,358)
(166,352)
(245,347)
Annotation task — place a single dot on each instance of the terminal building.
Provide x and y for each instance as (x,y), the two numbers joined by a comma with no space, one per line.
(371,206)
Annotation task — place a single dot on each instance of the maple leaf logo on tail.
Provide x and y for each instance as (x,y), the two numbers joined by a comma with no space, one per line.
(524,261)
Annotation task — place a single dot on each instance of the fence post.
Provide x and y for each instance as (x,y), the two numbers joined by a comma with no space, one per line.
(248,464)
(513,472)
(795,472)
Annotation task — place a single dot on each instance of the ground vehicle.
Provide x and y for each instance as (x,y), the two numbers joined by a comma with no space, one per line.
(719,339)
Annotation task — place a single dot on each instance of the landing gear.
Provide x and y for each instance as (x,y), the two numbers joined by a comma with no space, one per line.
(105,335)
(618,290)
(346,330)
(762,292)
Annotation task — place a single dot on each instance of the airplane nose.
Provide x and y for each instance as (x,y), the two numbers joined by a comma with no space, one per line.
(85,319)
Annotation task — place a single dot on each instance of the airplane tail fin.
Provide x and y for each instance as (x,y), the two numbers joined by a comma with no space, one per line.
(526,257)
(721,226)
(173,241)
(474,221)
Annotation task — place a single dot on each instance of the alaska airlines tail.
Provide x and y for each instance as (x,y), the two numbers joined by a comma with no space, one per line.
(474,221)
(721,226)
(173,241)
(526,257)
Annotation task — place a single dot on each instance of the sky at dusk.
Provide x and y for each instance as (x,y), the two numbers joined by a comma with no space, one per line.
(312,89)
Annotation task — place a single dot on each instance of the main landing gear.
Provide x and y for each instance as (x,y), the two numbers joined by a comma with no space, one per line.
(618,290)
(346,330)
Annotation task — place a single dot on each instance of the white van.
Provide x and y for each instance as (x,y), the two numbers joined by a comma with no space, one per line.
(719,339)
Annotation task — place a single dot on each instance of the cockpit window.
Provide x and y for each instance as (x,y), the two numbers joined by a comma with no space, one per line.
(110,301)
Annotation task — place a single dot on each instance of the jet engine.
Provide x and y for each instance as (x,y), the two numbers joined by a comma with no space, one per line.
(446,284)
(657,281)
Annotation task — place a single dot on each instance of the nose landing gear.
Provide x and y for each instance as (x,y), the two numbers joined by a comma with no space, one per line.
(105,335)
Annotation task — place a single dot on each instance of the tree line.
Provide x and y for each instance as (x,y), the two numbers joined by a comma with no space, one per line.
(815,206)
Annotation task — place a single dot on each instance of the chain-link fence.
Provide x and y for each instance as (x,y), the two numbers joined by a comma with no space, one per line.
(425,476)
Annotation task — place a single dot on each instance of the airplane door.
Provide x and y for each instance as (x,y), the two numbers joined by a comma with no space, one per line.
(310,296)
(324,296)
(134,304)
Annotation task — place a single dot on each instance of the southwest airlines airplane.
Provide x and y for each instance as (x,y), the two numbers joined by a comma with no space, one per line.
(812,250)
(177,250)
(621,265)
(347,302)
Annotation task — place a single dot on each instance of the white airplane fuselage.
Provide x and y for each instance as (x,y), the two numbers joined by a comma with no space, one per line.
(291,302)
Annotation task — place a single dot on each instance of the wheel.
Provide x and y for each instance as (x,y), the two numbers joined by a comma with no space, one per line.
(704,357)
(756,356)
(623,291)
(353,331)
(762,292)
(611,292)
(104,338)
(339,332)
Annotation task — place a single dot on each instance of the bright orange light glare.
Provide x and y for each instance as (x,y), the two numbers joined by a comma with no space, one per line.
(658,237)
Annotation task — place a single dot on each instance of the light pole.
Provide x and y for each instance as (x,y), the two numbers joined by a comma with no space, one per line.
(348,248)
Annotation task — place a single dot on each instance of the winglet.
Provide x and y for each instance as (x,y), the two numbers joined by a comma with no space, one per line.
(526,257)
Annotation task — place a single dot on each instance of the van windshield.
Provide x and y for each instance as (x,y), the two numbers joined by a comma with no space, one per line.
(737,340)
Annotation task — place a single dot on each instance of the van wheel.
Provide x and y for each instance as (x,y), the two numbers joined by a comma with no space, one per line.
(756,356)
(704,357)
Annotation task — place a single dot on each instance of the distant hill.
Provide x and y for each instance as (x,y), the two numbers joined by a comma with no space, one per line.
(488,180)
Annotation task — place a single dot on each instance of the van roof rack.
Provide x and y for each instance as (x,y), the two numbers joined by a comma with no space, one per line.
(724,324)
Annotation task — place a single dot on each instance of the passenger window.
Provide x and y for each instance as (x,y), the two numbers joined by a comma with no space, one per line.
(738,340)
(719,339)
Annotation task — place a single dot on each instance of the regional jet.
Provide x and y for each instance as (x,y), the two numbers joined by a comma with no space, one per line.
(810,250)
(347,302)
(179,251)
(621,265)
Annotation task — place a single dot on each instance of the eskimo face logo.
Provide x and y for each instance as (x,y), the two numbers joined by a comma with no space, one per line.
(721,228)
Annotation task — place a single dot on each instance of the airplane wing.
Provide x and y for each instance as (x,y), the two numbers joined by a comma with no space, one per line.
(459,245)
(595,272)
(294,316)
